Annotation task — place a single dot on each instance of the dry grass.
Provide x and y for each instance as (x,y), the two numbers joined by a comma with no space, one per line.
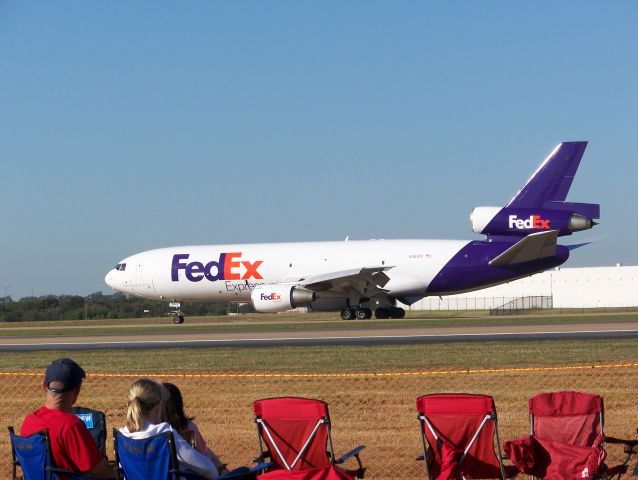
(337,359)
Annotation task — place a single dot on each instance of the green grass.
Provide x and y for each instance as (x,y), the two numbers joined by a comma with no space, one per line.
(299,322)
(321,359)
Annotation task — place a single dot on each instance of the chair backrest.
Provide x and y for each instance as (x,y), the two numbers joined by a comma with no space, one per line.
(567,429)
(95,421)
(296,432)
(460,431)
(32,454)
(573,418)
(148,458)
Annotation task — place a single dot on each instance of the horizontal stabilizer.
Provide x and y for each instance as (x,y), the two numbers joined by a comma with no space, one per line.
(532,247)
(587,241)
(576,245)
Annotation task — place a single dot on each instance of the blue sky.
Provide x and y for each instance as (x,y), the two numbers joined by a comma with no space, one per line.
(127,126)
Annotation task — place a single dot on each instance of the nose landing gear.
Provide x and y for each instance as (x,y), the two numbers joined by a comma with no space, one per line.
(178,316)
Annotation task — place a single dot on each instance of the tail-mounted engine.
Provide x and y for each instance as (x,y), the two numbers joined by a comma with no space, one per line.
(523,221)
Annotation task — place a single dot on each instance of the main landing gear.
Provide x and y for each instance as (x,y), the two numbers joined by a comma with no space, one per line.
(358,313)
(365,313)
(389,312)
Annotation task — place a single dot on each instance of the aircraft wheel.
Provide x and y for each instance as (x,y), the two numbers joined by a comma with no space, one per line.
(397,313)
(347,314)
(177,319)
(382,313)
(363,313)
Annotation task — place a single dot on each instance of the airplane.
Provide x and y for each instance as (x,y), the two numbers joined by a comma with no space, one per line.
(359,277)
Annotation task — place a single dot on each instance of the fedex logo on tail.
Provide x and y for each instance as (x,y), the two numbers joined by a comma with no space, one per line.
(229,266)
(533,222)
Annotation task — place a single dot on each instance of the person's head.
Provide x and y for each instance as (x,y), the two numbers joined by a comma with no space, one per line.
(174,408)
(62,382)
(145,397)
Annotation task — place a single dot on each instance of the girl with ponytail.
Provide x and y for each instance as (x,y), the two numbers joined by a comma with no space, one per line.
(144,419)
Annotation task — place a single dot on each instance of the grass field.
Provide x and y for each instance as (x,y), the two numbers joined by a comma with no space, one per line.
(458,356)
(318,358)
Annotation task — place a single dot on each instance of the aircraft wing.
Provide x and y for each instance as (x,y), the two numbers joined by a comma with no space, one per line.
(366,280)
(532,247)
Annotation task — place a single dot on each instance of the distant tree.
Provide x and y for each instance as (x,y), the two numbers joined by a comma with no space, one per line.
(96,306)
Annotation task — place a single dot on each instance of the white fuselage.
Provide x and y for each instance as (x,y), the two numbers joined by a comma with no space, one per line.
(231,272)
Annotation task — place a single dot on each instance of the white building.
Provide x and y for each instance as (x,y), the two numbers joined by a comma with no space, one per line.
(592,287)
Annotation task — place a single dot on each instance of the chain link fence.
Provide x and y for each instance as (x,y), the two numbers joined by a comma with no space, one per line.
(374,409)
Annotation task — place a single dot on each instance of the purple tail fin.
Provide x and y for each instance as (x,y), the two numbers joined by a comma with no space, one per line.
(549,185)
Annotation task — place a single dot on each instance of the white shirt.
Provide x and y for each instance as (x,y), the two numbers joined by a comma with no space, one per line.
(187,456)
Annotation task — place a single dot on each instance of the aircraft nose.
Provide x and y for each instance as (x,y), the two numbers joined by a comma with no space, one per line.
(110,279)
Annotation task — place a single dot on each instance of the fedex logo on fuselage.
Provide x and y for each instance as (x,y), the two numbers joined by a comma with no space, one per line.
(228,266)
(533,222)
(272,296)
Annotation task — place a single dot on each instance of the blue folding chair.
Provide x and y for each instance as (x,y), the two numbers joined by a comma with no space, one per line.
(156,458)
(33,455)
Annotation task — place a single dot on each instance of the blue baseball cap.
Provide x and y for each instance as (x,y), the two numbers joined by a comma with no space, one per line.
(66,372)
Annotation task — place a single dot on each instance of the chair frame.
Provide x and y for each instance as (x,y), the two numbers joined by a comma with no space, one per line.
(630,445)
(51,471)
(424,421)
(173,472)
(262,425)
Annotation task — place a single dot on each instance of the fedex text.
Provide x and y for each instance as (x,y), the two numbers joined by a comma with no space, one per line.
(229,266)
(270,296)
(533,222)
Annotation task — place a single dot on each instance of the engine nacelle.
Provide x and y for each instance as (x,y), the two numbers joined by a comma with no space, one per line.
(279,298)
(523,221)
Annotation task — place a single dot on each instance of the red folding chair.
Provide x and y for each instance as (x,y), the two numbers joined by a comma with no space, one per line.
(294,434)
(460,434)
(567,439)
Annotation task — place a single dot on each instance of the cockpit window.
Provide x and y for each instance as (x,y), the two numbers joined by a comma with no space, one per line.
(120,267)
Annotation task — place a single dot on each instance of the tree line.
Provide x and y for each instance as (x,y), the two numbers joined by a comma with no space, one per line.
(99,306)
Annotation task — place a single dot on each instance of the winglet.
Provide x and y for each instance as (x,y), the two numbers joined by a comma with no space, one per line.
(532,247)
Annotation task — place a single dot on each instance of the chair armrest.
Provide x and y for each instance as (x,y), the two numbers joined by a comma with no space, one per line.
(261,466)
(74,475)
(184,475)
(352,453)
(242,472)
(629,444)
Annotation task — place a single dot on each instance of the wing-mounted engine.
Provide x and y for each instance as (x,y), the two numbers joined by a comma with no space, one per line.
(280,297)
(523,221)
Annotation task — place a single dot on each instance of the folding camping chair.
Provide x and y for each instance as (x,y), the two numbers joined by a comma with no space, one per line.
(566,439)
(294,433)
(156,458)
(153,457)
(33,455)
(95,422)
(459,432)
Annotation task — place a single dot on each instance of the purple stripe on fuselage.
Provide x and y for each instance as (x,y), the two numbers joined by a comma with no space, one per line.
(469,269)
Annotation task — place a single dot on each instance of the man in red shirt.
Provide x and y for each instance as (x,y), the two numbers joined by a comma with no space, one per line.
(72,446)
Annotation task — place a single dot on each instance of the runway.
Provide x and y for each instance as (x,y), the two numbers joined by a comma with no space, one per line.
(355,336)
